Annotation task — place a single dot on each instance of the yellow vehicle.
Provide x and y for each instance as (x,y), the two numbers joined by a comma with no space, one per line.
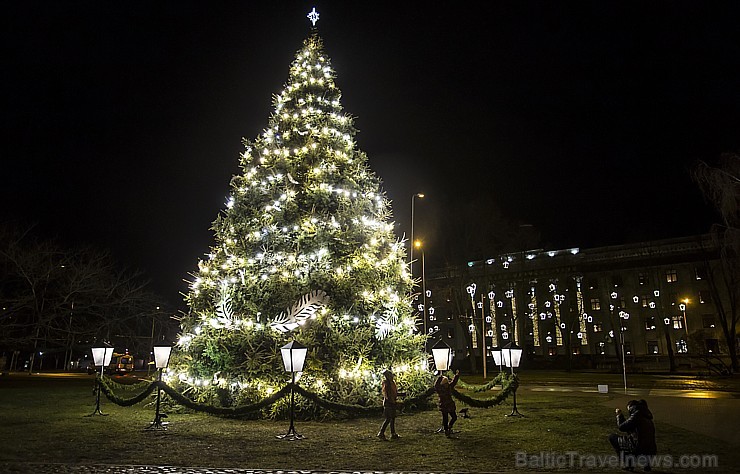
(121,364)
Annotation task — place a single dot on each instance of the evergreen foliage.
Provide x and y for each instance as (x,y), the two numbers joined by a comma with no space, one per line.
(304,250)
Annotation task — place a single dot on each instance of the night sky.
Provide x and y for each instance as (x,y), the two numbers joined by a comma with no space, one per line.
(122,122)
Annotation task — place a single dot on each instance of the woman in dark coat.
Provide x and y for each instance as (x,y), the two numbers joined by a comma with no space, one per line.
(640,437)
(444,387)
(390,395)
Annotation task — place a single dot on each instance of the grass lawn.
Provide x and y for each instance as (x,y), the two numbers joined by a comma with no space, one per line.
(43,419)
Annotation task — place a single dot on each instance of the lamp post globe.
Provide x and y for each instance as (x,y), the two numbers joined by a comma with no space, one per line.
(162,352)
(442,354)
(102,354)
(512,356)
(294,358)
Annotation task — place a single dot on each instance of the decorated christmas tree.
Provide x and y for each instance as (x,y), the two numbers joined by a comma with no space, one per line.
(304,251)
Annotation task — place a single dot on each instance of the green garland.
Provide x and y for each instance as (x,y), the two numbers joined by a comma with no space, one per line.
(111,382)
(224,411)
(509,385)
(498,380)
(105,387)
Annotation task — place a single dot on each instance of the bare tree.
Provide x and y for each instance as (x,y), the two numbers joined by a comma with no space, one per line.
(54,298)
(721,187)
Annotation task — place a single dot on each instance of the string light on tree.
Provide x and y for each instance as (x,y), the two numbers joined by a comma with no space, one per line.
(304,250)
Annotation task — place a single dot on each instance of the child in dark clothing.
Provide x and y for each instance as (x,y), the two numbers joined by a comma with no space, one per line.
(444,387)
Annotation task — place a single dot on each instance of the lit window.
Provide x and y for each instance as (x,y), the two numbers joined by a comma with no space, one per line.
(671,276)
(595,304)
(652,347)
(677,322)
(643,278)
(681,347)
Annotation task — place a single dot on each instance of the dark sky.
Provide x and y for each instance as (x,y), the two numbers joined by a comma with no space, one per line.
(122,121)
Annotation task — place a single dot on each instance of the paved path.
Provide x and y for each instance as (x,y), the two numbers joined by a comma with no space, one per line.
(711,413)
(40,468)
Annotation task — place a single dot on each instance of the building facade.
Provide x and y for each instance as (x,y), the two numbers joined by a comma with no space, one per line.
(648,303)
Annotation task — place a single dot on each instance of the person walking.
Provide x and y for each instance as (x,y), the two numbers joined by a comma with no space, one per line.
(390,394)
(443,386)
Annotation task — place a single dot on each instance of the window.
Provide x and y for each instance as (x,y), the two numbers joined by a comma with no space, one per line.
(617,281)
(671,276)
(627,348)
(707,321)
(712,346)
(681,347)
(643,278)
(704,297)
(645,301)
(553,351)
(652,347)
(576,350)
(602,348)
(650,323)
(595,304)
(701,273)
(593,284)
(677,322)
(450,333)
(598,327)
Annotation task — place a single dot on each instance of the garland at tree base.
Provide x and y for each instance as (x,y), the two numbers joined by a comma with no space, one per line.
(224,411)
(499,379)
(105,387)
(509,385)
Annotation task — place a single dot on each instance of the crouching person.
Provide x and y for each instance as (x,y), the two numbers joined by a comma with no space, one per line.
(639,442)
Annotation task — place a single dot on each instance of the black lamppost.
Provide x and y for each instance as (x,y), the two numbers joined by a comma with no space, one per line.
(419,245)
(102,355)
(161,361)
(411,253)
(512,356)
(294,356)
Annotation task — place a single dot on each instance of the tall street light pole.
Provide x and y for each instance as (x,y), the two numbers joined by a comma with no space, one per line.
(418,244)
(411,254)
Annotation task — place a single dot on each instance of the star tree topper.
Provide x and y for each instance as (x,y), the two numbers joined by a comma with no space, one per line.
(313,16)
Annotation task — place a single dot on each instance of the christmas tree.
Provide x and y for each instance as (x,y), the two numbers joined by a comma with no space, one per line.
(305,251)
